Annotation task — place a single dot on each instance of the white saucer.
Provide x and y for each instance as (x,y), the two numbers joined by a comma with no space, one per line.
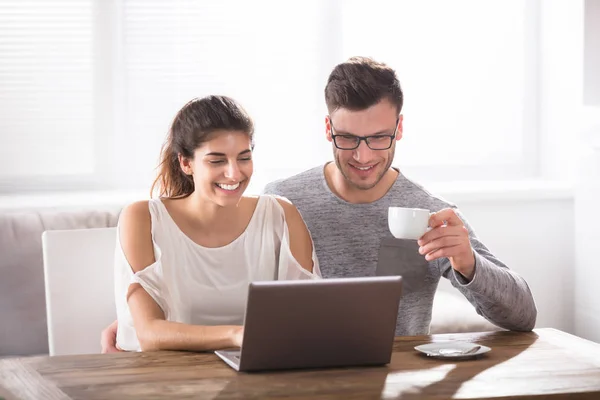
(453,350)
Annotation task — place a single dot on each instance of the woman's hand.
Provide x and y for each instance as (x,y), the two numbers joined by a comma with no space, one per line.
(238,336)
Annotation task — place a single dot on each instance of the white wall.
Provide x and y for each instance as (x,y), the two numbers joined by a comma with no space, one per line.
(561,86)
(587,271)
(534,235)
(592,53)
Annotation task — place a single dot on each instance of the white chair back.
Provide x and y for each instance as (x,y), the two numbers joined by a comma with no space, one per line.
(79,281)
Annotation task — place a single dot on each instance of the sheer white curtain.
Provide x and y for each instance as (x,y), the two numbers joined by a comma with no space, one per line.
(46,89)
(88,88)
(266,54)
(469,73)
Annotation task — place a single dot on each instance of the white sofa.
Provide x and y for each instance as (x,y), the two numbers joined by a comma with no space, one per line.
(23,327)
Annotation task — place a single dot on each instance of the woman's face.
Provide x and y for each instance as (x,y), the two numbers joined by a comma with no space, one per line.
(222,167)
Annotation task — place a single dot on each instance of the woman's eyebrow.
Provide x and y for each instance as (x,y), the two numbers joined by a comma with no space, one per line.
(217,154)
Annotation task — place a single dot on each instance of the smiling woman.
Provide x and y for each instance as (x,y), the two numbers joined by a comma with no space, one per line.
(185,259)
(210,144)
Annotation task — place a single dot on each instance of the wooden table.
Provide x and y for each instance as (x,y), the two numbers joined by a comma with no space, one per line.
(546,363)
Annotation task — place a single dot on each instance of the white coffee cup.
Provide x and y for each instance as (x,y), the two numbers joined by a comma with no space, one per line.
(408,223)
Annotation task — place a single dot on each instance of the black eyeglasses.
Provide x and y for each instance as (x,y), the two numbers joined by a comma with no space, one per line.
(351,142)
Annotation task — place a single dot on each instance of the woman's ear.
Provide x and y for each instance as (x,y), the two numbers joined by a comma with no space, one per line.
(186,164)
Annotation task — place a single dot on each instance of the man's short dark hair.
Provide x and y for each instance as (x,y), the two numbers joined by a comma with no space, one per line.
(360,83)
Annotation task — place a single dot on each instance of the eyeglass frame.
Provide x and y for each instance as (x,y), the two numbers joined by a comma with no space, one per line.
(361,138)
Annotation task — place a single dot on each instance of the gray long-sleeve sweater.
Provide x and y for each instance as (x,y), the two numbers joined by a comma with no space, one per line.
(353,240)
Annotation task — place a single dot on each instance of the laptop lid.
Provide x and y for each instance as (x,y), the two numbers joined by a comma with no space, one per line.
(320,323)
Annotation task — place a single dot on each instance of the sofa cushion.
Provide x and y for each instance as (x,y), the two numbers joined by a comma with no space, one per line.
(23,326)
(452,313)
(23,330)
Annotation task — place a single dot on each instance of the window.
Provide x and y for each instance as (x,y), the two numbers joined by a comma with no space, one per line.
(468,71)
(174,51)
(88,88)
(46,90)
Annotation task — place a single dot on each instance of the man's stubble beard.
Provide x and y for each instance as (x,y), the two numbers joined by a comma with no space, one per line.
(369,186)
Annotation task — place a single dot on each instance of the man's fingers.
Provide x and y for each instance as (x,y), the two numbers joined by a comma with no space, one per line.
(105,342)
(109,345)
(447,216)
(444,252)
(442,231)
(109,350)
(108,339)
(445,241)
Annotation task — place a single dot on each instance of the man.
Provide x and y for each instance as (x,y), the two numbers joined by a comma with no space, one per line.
(345,203)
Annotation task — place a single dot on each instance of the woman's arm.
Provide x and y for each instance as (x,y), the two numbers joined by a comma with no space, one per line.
(300,241)
(153,331)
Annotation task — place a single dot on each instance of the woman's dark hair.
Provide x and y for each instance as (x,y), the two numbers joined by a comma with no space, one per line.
(193,125)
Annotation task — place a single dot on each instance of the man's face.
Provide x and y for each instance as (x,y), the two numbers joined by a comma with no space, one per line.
(364,167)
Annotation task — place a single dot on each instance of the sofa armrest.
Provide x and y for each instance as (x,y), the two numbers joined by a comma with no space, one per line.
(452,313)
(23,326)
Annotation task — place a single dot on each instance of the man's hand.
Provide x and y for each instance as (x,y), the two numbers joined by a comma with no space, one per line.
(449,238)
(108,339)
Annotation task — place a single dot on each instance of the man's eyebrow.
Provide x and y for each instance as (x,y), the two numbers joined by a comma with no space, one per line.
(384,132)
(216,154)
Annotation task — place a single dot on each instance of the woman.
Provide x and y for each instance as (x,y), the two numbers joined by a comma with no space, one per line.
(184,259)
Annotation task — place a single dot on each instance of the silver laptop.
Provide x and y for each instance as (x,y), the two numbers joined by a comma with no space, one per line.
(318,323)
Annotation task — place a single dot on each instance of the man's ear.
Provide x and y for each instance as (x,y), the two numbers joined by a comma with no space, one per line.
(186,164)
(328,128)
(400,129)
